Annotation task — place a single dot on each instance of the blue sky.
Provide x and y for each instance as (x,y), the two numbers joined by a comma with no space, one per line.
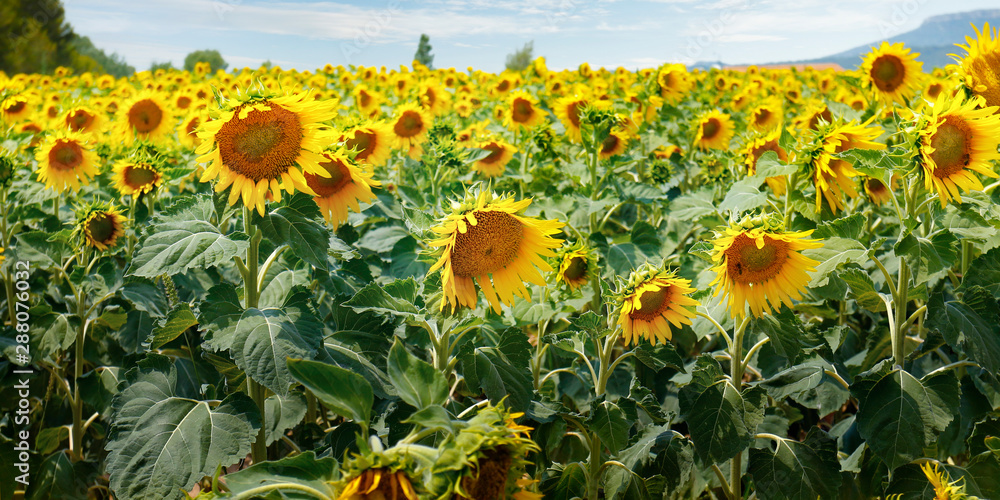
(306,34)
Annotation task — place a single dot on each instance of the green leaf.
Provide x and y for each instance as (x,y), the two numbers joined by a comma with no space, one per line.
(432,417)
(42,249)
(382,239)
(971,325)
(145,295)
(304,469)
(283,413)
(56,477)
(417,382)
(500,371)
(394,299)
(851,227)
(174,247)
(834,253)
(299,225)
(611,425)
(647,401)
(343,391)
(768,165)
(808,385)
(928,258)
(797,471)
(964,222)
(898,415)
(693,206)
(565,482)
(743,196)
(405,260)
(277,290)
(178,320)
(219,315)
(659,356)
(785,331)
(417,221)
(984,271)
(862,289)
(50,438)
(722,421)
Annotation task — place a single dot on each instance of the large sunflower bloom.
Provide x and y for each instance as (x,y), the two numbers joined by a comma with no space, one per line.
(65,161)
(410,127)
(674,82)
(494,164)
(486,237)
(760,264)
(650,302)
(135,178)
(957,141)
(145,116)
(892,72)
(370,141)
(614,144)
(102,227)
(834,177)
(980,68)
(266,144)
(715,129)
(17,107)
(379,484)
(85,120)
(522,111)
(345,187)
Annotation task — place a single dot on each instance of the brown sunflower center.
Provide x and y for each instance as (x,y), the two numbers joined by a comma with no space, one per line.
(101,227)
(52,111)
(139,176)
(192,126)
(65,155)
(263,144)
(814,121)
(491,478)
(951,144)
(489,246)
(610,143)
(576,269)
(711,128)
(762,116)
(79,120)
(144,116)
(363,142)
(574,113)
(933,90)
(496,152)
(328,186)
(653,302)
(365,98)
(521,110)
(183,102)
(17,107)
(888,72)
(748,264)
(409,124)
(503,86)
(984,70)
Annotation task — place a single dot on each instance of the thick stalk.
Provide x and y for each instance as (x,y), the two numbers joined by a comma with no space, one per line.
(76,445)
(736,373)
(594,484)
(902,290)
(251,292)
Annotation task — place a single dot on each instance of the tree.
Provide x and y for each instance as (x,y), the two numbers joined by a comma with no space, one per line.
(213,57)
(36,39)
(113,65)
(521,58)
(160,65)
(423,55)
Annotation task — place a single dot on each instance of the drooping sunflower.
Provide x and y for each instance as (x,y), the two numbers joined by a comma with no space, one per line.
(834,177)
(759,263)
(145,116)
(66,161)
(714,130)
(650,301)
(957,141)
(265,144)
(892,72)
(487,237)
(346,186)
(494,447)
(979,69)
(674,82)
(493,165)
(410,127)
(522,111)
(371,142)
(877,191)
(135,177)
(101,226)
(577,265)
(755,147)
(85,120)
(379,483)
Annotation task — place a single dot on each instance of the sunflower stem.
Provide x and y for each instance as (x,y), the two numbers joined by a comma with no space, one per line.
(251,294)
(900,299)
(736,374)
(967,249)
(76,436)
(792,180)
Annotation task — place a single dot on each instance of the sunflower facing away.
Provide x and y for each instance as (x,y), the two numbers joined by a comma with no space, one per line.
(980,68)
(577,266)
(345,187)
(101,227)
(266,144)
(892,72)
(379,484)
(834,177)
(956,142)
(759,263)
(135,177)
(715,129)
(65,161)
(486,237)
(651,301)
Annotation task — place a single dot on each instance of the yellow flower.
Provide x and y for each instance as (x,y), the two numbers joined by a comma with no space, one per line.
(433,98)
(495,163)
(614,144)
(577,266)
(187,131)
(766,116)
(759,263)
(834,177)
(522,111)
(101,228)
(980,68)
(756,147)
(957,141)
(892,72)
(650,302)
(145,116)
(410,127)
(17,107)
(345,187)
(65,161)
(370,141)
(715,129)
(265,144)
(135,178)
(85,120)
(379,484)
(943,488)
(486,237)
(674,82)
(568,111)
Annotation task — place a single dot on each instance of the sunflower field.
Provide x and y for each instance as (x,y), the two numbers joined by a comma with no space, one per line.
(360,283)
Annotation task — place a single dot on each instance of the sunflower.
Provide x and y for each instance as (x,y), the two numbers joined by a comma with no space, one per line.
(760,264)
(766,116)
(614,144)
(17,107)
(649,302)
(145,116)
(370,142)
(568,111)
(433,98)
(816,113)
(187,131)
(577,266)
(135,177)
(674,82)
(667,152)
(379,483)
(85,120)
(892,72)
(957,141)
(944,488)
(65,161)
(7,168)
(410,127)
(833,176)
(979,70)
(345,187)
(877,191)
(494,164)
(265,143)
(715,129)
(494,447)
(484,237)
(522,111)
(101,227)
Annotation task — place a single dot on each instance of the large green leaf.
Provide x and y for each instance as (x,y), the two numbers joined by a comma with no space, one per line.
(56,477)
(808,385)
(971,325)
(797,470)
(174,247)
(283,413)
(985,272)
(500,371)
(611,424)
(395,299)
(898,414)
(303,470)
(850,227)
(417,382)
(145,295)
(929,258)
(343,391)
(785,331)
(566,482)
(299,225)
(721,419)
(862,289)
(219,315)
(179,319)
(835,252)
